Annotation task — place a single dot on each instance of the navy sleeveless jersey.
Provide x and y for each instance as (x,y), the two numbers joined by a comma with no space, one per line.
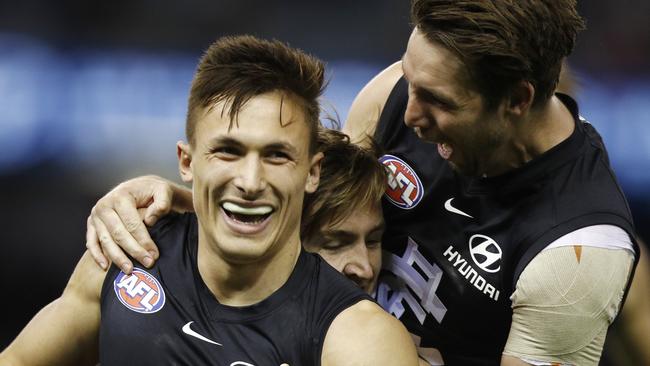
(166,315)
(454,246)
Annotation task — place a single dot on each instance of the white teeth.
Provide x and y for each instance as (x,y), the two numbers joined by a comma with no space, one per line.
(257,210)
(445,150)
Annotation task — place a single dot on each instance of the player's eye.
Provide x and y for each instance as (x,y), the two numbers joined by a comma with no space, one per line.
(278,157)
(373,243)
(333,245)
(225,152)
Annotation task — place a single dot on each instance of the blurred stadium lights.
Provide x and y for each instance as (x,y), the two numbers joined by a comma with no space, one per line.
(124,107)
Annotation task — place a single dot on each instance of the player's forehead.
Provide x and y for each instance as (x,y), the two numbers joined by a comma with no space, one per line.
(360,220)
(432,67)
(266,119)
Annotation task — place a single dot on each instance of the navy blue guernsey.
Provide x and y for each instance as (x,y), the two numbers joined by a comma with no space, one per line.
(166,315)
(455,246)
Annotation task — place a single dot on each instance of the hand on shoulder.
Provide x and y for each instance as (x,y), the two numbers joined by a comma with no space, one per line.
(116,225)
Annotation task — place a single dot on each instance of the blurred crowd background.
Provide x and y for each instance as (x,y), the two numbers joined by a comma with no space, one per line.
(92,93)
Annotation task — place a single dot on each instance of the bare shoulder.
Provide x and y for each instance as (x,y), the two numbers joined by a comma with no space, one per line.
(364,334)
(367,106)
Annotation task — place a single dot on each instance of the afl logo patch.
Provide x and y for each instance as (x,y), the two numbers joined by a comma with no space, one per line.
(404,187)
(140,292)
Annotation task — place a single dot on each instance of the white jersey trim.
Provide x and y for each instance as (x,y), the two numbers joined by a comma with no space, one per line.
(600,236)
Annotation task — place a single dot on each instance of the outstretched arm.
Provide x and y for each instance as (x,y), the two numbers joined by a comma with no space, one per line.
(65,332)
(368,104)
(364,334)
(117,222)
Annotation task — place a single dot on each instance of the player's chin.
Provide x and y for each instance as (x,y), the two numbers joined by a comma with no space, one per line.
(245,249)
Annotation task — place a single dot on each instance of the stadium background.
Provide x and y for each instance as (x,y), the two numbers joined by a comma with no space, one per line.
(92,93)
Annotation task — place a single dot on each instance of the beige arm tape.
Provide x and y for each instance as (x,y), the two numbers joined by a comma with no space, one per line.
(564,301)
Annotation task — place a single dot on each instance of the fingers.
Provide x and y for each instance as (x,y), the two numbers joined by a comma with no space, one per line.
(125,230)
(120,237)
(161,205)
(92,244)
(115,225)
(111,249)
(136,241)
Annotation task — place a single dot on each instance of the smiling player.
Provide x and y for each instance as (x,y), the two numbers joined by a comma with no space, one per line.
(509,240)
(232,285)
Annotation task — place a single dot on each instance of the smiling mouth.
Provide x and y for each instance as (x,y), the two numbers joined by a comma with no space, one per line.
(247,215)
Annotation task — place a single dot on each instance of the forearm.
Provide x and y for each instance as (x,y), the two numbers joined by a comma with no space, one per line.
(182,200)
(65,332)
(367,106)
(46,340)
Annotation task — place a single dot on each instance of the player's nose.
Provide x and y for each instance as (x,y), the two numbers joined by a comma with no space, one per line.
(358,266)
(250,176)
(414,115)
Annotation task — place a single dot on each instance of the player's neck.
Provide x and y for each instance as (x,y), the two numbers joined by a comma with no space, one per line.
(242,283)
(548,127)
(541,130)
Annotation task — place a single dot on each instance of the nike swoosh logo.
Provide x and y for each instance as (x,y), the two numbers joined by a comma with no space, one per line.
(453,209)
(187,330)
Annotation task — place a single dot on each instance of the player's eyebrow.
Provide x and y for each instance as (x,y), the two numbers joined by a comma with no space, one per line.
(226,140)
(429,95)
(339,234)
(435,97)
(279,145)
(380,227)
(344,234)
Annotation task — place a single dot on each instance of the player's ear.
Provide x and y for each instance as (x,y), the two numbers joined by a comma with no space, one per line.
(314,173)
(520,98)
(184,153)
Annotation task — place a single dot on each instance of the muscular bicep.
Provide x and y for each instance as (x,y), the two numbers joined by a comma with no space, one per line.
(368,104)
(565,300)
(65,332)
(366,335)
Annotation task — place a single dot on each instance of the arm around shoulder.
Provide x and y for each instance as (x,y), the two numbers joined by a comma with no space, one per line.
(368,104)
(66,331)
(364,334)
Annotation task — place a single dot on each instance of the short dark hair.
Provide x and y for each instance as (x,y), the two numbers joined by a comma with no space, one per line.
(502,42)
(235,69)
(351,177)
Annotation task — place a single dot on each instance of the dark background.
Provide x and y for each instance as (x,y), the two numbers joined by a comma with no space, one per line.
(92,93)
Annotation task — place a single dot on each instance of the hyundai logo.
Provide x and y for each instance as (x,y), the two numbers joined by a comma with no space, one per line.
(485,253)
